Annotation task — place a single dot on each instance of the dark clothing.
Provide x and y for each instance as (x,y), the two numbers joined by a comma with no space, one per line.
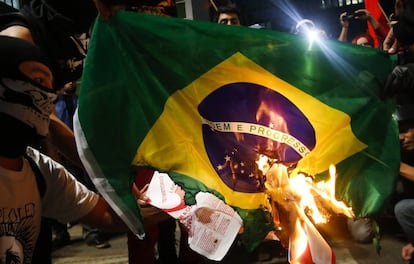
(163,234)
(55,35)
(56,24)
(407,187)
(74,16)
(65,108)
(404,29)
(43,250)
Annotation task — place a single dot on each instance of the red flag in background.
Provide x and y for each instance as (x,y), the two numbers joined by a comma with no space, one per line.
(376,11)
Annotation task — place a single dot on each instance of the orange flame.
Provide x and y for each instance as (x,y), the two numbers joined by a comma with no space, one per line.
(296,200)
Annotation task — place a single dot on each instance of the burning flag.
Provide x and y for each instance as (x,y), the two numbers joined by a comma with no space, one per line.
(203,102)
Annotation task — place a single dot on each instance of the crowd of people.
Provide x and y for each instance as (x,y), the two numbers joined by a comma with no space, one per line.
(397,39)
(400,84)
(37,138)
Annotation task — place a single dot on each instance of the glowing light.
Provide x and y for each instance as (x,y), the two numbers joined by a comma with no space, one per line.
(295,18)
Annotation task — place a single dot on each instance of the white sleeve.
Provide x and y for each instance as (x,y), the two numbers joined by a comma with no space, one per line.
(65,199)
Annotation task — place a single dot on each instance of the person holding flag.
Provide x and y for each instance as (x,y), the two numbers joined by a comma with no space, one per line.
(55,26)
(32,182)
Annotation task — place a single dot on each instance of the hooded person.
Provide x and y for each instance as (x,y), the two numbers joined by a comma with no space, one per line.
(26,102)
(60,29)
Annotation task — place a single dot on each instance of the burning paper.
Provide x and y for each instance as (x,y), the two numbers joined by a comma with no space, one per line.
(294,202)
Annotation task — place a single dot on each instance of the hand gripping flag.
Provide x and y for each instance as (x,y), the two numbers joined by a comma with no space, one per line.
(203,101)
(377,13)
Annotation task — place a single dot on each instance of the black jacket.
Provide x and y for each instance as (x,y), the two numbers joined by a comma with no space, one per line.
(56,34)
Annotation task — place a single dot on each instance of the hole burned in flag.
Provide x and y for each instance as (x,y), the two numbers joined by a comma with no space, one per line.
(244,120)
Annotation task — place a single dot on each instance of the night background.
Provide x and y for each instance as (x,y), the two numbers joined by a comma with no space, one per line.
(282,15)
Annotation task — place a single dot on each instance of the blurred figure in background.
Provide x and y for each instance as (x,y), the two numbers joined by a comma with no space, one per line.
(228,15)
(363,39)
(401,84)
(401,34)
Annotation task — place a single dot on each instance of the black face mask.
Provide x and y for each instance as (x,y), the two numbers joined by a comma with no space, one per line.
(15,136)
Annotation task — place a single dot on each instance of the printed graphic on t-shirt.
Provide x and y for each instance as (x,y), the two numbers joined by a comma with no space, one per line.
(17,234)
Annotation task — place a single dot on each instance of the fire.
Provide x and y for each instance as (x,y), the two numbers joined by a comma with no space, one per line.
(295,201)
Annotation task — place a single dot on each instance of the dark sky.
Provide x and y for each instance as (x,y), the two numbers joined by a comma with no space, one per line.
(283,14)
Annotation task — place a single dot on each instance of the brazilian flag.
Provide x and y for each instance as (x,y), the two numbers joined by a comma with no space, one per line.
(202,101)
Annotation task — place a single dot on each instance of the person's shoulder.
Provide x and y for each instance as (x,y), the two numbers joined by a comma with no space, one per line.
(33,153)
(53,172)
(44,162)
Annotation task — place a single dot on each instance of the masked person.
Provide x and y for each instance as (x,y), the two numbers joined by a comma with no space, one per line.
(56,27)
(32,184)
(59,29)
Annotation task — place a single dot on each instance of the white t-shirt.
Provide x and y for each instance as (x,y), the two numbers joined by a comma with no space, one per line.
(21,206)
